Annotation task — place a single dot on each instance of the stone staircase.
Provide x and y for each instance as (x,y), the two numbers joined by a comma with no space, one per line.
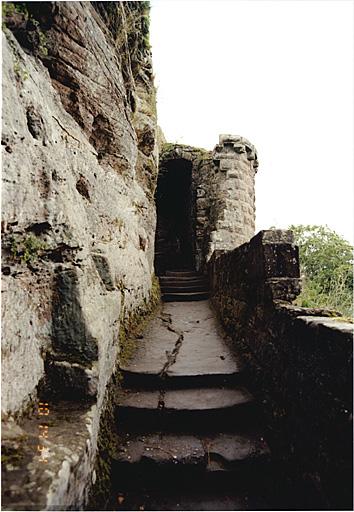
(183,285)
(190,434)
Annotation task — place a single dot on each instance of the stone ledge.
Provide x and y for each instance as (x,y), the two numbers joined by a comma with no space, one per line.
(49,458)
(337,324)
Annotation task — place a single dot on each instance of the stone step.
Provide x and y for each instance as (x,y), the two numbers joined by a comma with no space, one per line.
(183,280)
(180,499)
(185,296)
(230,450)
(184,288)
(216,459)
(152,380)
(182,273)
(182,410)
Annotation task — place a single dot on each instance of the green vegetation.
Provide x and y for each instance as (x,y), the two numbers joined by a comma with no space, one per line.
(21,73)
(42,46)
(10,8)
(326,264)
(133,324)
(27,249)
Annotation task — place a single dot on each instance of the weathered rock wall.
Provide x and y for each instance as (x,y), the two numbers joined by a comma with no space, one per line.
(78,213)
(299,365)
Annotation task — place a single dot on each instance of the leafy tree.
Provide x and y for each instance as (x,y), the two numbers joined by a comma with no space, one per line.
(326,263)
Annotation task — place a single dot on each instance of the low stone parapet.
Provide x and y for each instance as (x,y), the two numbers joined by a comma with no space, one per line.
(298,363)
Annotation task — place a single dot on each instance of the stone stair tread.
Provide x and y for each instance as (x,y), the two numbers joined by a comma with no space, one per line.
(236,447)
(196,500)
(181,273)
(184,289)
(188,293)
(141,369)
(183,279)
(161,449)
(202,399)
(206,398)
(219,452)
(139,377)
(185,296)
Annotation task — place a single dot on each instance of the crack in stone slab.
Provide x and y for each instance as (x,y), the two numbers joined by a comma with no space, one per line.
(161,402)
(166,319)
(171,356)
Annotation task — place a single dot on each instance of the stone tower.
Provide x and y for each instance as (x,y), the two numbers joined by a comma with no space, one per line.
(219,199)
(235,164)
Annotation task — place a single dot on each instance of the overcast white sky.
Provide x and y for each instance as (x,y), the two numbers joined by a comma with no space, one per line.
(277,72)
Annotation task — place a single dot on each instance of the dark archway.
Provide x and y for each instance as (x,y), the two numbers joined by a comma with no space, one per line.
(174,243)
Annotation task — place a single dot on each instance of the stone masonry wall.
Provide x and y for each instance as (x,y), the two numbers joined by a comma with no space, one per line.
(233,207)
(78,225)
(299,365)
(223,193)
(201,177)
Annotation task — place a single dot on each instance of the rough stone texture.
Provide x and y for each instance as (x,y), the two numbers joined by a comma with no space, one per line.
(45,466)
(164,448)
(299,366)
(78,215)
(222,195)
(233,210)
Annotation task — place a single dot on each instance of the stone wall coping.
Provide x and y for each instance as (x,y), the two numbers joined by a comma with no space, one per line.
(337,324)
(170,151)
(296,311)
(274,236)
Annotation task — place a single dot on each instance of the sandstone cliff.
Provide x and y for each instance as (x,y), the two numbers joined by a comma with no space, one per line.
(78,214)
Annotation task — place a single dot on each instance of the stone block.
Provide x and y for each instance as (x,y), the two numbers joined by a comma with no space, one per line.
(233,175)
(226,164)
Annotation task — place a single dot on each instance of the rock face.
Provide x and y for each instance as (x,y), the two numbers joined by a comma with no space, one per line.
(79,172)
(218,202)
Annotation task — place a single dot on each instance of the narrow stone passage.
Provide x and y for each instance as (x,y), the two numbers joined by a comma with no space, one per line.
(190,433)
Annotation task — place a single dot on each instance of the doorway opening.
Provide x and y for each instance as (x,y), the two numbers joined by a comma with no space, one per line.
(174,242)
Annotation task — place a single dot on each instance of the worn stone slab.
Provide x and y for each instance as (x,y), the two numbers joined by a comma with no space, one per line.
(203,350)
(165,448)
(205,399)
(185,399)
(235,448)
(150,356)
(194,500)
(161,449)
(138,399)
(215,500)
